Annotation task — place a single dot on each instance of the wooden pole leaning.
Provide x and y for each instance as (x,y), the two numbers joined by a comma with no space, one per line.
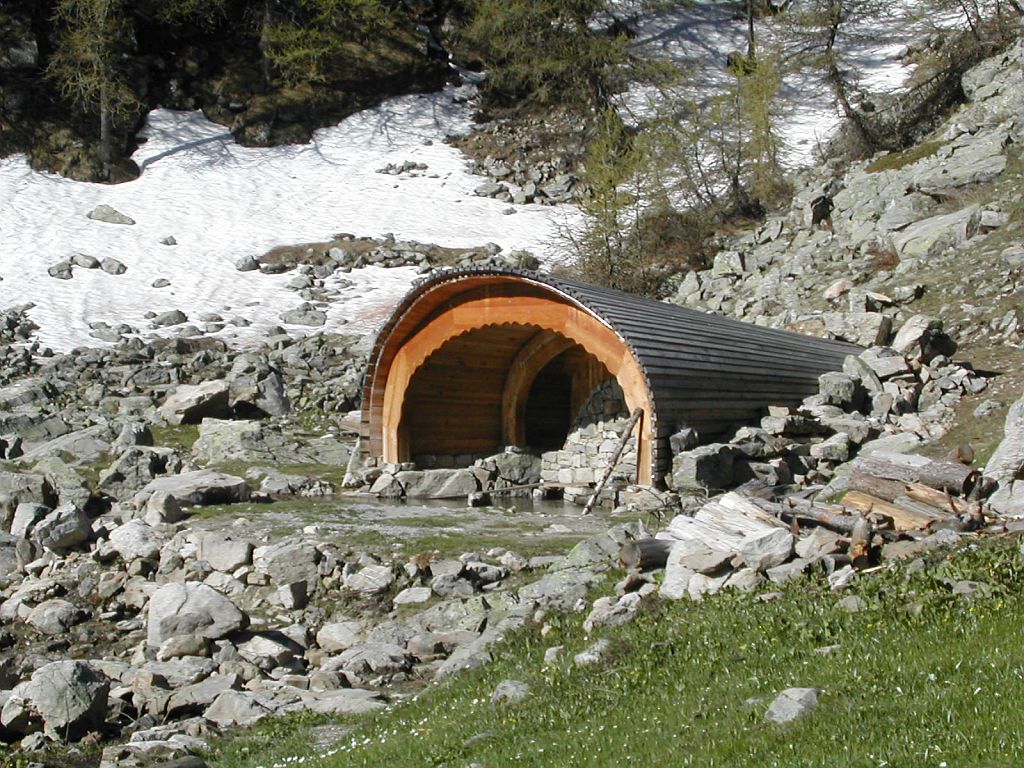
(613,462)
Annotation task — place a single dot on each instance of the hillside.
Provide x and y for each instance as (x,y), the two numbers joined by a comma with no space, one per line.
(197,565)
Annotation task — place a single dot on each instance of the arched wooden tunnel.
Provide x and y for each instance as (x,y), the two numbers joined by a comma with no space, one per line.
(513,384)
(474,360)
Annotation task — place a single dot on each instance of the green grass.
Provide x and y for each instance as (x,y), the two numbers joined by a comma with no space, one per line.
(920,678)
(893,161)
(180,437)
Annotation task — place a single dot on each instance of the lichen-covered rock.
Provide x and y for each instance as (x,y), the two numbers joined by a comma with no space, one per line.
(191,608)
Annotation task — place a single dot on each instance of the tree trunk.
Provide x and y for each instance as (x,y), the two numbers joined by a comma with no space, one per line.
(751,43)
(106,147)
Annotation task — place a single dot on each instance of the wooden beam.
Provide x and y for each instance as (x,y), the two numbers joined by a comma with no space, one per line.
(543,347)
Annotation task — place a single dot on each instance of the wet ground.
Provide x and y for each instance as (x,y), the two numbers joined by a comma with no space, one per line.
(521,524)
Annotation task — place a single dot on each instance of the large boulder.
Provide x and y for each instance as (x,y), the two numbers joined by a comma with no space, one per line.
(255,385)
(55,617)
(707,466)
(134,468)
(191,609)
(137,540)
(70,697)
(191,403)
(200,487)
(287,563)
(1006,466)
(931,236)
(65,527)
(224,553)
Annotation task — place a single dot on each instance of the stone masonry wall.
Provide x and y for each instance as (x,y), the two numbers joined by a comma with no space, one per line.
(592,440)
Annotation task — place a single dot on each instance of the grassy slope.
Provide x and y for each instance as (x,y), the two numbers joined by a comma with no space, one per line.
(920,678)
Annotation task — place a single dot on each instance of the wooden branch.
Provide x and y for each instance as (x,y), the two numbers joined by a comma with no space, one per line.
(801,510)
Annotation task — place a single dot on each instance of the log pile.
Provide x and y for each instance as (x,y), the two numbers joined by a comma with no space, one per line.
(897,506)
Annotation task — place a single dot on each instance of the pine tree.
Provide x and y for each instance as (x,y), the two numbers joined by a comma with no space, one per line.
(546,52)
(319,40)
(90,64)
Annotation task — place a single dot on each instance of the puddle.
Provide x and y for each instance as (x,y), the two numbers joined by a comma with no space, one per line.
(527,526)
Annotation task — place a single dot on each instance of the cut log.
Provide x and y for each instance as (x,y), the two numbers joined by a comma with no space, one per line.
(944,475)
(903,519)
(645,554)
(828,515)
(949,476)
(879,487)
(738,515)
(712,535)
(860,543)
(941,500)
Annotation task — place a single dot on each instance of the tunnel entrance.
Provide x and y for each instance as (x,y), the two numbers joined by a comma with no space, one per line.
(493,387)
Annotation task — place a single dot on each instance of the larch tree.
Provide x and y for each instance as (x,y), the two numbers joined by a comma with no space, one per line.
(90,64)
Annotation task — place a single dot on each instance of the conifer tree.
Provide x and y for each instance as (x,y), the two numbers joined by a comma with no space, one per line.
(90,62)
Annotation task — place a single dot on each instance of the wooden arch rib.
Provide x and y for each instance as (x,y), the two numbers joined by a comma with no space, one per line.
(543,347)
(569,321)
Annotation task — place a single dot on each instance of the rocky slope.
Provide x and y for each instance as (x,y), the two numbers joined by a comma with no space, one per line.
(123,619)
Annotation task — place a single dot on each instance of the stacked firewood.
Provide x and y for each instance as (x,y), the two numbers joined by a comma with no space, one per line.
(897,506)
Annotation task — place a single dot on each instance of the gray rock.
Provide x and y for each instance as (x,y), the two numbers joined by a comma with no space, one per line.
(561,590)
(509,692)
(929,237)
(181,672)
(191,608)
(85,261)
(137,540)
(837,389)
(55,617)
(70,697)
(706,467)
(368,659)
(199,487)
(339,635)
(255,384)
(65,527)
(193,699)
(161,509)
(413,596)
(596,653)
(791,704)
(167,319)
(109,215)
(26,517)
(677,575)
(447,585)
(835,449)
(1005,465)
(61,270)
(289,562)
(306,314)
(344,701)
(267,650)
(612,611)
(238,708)
(371,580)
(190,404)
(113,266)
(438,483)
(247,264)
(864,328)
(224,553)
